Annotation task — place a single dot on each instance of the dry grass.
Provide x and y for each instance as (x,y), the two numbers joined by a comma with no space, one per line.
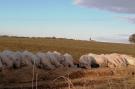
(74,47)
(74,78)
(31,77)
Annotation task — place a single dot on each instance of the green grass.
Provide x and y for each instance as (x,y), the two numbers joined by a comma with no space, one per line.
(74,47)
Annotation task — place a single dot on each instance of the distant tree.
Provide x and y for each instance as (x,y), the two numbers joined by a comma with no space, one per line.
(132,38)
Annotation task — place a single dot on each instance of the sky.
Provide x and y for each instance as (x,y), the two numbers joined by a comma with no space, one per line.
(102,20)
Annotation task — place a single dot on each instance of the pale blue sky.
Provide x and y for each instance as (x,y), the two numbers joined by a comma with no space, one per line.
(62,18)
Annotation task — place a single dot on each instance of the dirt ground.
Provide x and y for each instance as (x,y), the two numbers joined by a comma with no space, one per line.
(68,78)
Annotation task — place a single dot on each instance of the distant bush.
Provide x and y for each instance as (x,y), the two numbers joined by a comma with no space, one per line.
(53,37)
(4,36)
(132,38)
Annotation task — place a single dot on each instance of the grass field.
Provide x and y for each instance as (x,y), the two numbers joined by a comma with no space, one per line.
(100,78)
(74,47)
